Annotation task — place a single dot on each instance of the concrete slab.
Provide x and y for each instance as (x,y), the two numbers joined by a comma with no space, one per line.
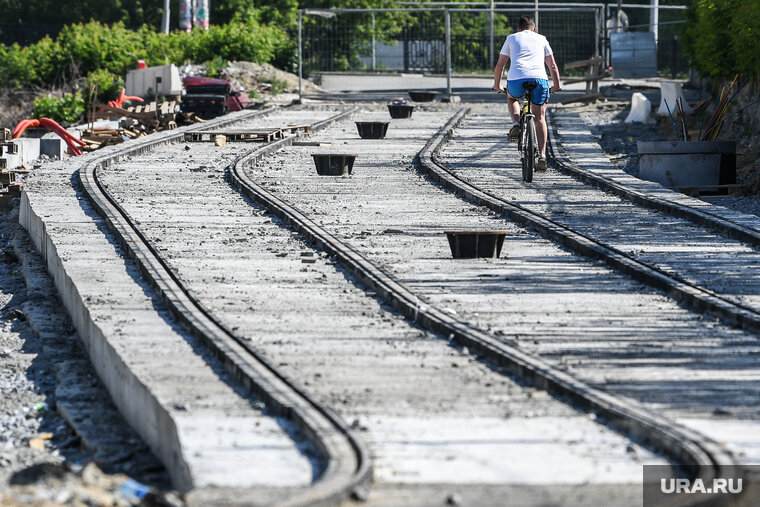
(426,409)
(166,385)
(605,328)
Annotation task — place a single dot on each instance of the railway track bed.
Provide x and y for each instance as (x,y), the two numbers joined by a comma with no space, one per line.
(426,408)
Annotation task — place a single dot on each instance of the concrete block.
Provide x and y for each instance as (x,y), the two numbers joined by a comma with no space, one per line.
(28,149)
(641,107)
(672,92)
(141,82)
(52,148)
(688,163)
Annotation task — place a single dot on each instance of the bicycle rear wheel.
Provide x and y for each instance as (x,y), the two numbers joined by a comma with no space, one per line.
(530,154)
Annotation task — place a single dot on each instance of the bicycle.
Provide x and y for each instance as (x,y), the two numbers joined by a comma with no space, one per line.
(527,143)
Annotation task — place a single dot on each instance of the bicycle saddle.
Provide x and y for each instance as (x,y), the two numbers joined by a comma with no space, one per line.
(530,86)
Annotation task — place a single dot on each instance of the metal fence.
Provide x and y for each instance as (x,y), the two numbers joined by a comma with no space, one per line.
(669,21)
(414,40)
(423,39)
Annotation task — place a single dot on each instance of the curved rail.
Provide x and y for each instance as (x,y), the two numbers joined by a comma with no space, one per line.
(680,443)
(348,462)
(683,291)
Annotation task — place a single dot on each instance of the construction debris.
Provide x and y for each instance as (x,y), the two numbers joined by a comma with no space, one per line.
(262,135)
(99,137)
(145,119)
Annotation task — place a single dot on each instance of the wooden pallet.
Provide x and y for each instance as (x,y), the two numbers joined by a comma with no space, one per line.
(254,135)
(296,128)
(100,137)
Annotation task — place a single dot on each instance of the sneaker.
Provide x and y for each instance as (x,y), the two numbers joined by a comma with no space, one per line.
(541,164)
(514,134)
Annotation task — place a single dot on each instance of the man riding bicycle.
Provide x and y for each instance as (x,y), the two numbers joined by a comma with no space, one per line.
(529,52)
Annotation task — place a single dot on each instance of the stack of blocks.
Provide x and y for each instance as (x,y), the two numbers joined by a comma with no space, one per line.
(9,188)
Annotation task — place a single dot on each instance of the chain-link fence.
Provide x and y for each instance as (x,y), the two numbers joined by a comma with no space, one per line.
(670,21)
(414,40)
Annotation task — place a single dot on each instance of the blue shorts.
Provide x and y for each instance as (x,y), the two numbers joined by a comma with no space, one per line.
(540,94)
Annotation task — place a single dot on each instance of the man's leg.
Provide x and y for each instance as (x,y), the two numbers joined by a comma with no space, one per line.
(514,109)
(541,131)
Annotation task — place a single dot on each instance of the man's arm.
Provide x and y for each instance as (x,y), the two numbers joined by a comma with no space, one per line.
(498,71)
(557,83)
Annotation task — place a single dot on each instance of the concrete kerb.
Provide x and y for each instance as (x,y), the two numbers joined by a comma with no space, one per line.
(135,401)
(715,222)
(348,462)
(680,443)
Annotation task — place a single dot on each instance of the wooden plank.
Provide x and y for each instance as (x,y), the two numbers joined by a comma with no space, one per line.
(583,98)
(582,63)
(582,79)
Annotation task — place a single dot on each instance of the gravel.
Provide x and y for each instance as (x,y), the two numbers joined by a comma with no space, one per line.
(61,439)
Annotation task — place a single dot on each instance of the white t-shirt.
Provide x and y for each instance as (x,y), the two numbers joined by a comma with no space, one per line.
(526,51)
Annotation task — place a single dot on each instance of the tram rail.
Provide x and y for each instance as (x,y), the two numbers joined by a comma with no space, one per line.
(350,465)
(348,462)
(682,444)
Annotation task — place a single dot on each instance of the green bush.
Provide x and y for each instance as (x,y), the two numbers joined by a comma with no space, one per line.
(65,110)
(106,83)
(81,49)
(722,37)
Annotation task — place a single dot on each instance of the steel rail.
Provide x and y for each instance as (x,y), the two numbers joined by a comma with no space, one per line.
(348,463)
(699,217)
(681,444)
(697,297)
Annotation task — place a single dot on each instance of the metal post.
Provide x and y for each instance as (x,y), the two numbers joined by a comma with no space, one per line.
(448,52)
(535,14)
(158,108)
(490,33)
(654,19)
(373,42)
(597,34)
(300,56)
(165,18)
(674,57)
